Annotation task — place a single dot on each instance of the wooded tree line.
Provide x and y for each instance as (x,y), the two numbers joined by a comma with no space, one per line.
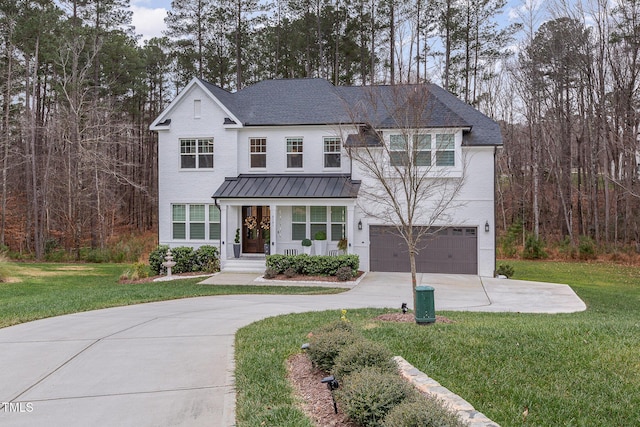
(79,92)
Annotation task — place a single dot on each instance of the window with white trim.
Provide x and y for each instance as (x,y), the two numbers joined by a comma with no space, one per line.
(258,152)
(332,147)
(195,221)
(338,223)
(298,222)
(332,220)
(294,153)
(318,220)
(214,222)
(445,149)
(401,154)
(196,153)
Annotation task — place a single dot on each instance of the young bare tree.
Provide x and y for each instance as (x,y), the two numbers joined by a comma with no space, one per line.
(403,182)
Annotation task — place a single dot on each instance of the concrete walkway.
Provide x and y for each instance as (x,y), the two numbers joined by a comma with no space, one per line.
(171,363)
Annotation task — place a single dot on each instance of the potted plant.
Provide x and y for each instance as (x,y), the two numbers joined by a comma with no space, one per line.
(236,244)
(321,242)
(342,245)
(306,246)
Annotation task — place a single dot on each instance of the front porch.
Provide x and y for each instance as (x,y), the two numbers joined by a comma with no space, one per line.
(245,264)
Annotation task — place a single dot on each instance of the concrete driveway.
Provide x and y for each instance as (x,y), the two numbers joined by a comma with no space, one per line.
(171,363)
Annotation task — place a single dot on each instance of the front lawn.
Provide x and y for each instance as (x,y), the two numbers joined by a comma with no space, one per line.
(34,291)
(579,369)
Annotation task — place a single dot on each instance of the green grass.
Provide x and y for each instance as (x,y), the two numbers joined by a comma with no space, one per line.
(35,291)
(580,369)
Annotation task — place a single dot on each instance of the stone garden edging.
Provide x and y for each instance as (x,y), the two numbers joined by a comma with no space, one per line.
(452,401)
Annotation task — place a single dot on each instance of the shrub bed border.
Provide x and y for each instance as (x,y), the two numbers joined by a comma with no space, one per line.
(453,402)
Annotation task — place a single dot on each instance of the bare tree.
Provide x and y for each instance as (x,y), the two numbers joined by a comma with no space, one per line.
(401,181)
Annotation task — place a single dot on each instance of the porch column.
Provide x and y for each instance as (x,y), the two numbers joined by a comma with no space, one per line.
(273,235)
(351,224)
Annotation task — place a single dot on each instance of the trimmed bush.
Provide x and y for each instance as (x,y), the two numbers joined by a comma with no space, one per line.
(156,258)
(366,396)
(290,272)
(325,347)
(363,354)
(319,265)
(206,259)
(422,412)
(186,259)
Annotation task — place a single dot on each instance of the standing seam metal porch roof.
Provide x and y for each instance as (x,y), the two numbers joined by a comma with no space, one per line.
(271,186)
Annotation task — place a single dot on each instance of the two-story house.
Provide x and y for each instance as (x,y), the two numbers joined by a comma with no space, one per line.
(271,163)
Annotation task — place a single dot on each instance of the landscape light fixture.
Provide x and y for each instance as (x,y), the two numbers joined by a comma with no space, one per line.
(360,225)
(404,308)
(332,384)
(486,227)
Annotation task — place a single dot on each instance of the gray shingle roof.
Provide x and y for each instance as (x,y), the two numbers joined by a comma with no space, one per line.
(290,102)
(329,186)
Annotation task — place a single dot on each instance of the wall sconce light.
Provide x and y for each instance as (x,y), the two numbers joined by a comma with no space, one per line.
(486,227)
(360,225)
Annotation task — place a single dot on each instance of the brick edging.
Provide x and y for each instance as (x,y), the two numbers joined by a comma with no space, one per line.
(452,401)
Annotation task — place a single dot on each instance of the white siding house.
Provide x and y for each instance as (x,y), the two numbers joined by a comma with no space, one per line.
(276,155)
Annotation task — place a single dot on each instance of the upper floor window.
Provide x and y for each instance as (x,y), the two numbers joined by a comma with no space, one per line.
(258,152)
(445,149)
(421,150)
(294,152)
(196,153)
(331,152)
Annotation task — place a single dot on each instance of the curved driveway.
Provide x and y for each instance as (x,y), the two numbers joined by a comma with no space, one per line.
(170,363)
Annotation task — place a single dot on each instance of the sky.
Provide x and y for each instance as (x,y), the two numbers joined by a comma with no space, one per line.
(148,15)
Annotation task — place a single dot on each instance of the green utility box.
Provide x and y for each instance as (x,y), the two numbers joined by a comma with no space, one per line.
(425,305)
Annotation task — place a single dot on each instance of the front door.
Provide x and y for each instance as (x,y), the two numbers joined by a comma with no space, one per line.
(255,228)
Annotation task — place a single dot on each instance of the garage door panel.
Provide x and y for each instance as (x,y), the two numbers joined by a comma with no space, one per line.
(450,250)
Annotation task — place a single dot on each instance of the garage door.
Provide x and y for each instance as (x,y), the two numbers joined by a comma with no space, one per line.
(450,250)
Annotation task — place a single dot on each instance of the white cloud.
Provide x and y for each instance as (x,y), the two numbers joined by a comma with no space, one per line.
(148,22)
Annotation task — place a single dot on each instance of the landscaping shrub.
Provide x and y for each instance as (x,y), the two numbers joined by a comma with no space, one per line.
(270,273)
(290,272)
(533,248)
(156,258)
(319,265)
(187,260)
(505,270)
(344,274)
(206,259)
(422,412)
(325,347)
(362,354)
(367,395)
(509,239)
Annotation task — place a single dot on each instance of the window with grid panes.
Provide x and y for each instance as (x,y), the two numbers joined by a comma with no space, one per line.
(294,153)
(398,150)
(422,150)
(298,222)
(196,222)
(258,152)
(331,152)
(317,220)
(196,153)
(338,223)
(179,221)
(214,222)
